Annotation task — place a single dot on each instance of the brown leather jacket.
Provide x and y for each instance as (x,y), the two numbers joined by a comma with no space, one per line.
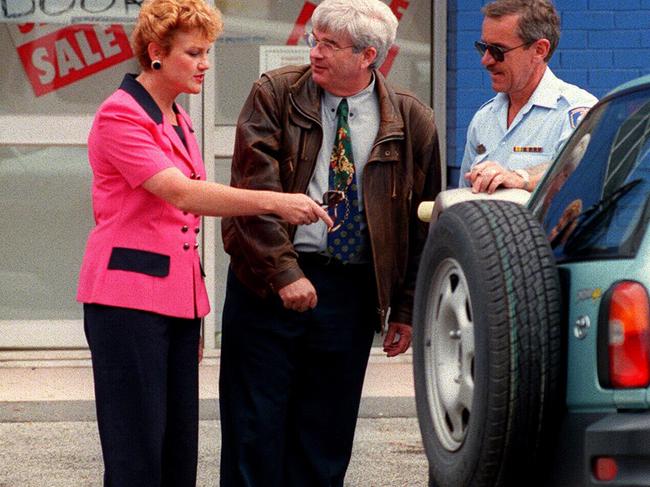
(278,138)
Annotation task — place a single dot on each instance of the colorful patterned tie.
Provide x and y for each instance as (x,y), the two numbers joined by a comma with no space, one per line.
(346,240)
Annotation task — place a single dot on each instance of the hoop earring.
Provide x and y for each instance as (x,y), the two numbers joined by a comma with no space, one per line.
(156,64)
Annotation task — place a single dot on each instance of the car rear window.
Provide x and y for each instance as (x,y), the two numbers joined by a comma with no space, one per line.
(594,203)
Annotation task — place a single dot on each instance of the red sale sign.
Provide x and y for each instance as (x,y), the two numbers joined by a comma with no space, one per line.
(56,58)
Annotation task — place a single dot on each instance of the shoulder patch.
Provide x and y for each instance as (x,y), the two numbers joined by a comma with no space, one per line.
(577,114)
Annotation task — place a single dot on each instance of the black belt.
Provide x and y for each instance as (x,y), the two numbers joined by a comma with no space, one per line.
(318,259)
(315,258)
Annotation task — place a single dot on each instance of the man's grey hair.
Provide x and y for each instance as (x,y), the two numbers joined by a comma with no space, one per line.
(538,19)
(369,23)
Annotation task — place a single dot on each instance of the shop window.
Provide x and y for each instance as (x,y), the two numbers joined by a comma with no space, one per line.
(253,26)
(52,81)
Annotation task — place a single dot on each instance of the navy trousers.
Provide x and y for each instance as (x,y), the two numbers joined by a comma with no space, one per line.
(145,367)
(290,383)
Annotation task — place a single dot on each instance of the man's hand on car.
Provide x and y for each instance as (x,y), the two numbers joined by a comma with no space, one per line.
(487,176)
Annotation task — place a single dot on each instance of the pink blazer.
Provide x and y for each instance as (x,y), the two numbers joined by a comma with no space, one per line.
(143,252)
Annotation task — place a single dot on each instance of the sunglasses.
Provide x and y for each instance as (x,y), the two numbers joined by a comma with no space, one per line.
(331,201)
(497,52)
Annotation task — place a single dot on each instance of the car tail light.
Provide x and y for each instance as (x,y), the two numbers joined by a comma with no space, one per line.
(628,335)
(605,469)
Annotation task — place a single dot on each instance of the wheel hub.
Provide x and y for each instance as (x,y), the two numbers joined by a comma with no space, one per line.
(449,357)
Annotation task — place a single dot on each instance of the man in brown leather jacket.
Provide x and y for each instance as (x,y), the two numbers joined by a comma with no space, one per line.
(302,304)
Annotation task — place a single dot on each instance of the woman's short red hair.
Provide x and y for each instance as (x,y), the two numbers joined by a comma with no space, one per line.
(160,19)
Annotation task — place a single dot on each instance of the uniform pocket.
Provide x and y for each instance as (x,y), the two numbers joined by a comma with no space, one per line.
(524,160)
(141,261)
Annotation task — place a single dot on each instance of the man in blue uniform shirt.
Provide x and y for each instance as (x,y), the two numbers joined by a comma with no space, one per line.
(513,137)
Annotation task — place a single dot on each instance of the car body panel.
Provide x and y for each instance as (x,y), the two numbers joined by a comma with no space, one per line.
(599,421)
(589,281)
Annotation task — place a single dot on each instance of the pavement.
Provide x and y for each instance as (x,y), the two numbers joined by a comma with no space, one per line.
(387,452)
(48,434)
(57,386)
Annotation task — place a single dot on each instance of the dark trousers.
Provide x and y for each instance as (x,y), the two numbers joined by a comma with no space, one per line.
(145,368)
(290,383)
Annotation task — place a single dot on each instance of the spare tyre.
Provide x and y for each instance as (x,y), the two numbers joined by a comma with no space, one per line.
(487,346)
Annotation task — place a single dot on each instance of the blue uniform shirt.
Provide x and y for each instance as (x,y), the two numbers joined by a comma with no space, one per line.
(535,135)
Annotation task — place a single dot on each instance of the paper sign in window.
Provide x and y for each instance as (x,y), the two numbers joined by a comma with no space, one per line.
(66,55)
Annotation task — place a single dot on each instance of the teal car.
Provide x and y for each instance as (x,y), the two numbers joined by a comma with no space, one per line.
(532,322)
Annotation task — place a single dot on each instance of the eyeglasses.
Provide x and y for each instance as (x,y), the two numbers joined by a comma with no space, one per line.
(497,52)
(327,48)
(331,201)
